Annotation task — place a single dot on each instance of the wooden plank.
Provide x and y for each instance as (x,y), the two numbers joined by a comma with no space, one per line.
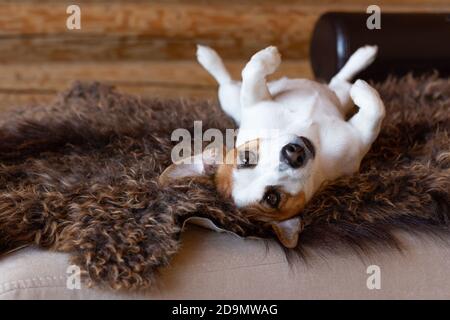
(11,100)
(42,48)
(56,76)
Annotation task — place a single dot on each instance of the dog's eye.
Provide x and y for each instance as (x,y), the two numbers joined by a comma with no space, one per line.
(272,198)
(247,159)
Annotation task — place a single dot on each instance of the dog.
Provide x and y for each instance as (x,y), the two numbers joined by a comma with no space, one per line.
(293,138)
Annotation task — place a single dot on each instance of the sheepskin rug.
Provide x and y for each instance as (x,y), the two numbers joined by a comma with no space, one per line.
(81,176)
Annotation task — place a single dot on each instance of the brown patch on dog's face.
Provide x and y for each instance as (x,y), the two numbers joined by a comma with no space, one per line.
(293,206)
(270,209)
(224,179)
(234,158)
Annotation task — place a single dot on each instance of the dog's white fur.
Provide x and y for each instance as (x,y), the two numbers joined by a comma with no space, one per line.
(279,112)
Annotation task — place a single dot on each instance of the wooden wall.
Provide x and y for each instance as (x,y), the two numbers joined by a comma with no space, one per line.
(149,46)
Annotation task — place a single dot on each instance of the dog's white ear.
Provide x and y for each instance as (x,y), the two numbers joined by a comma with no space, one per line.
(202,164)
(287,231)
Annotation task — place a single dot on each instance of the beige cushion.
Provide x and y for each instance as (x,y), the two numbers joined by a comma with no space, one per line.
(222,266)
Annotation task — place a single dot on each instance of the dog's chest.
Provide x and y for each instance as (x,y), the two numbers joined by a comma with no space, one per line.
(297,103)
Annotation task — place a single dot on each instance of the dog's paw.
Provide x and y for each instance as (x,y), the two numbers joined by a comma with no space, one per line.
(207,56)
(362,93)
(265,61)
(364,56)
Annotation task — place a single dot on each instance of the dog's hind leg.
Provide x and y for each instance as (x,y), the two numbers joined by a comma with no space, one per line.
(340,83)
(229,90)
(367,121)
(254,84)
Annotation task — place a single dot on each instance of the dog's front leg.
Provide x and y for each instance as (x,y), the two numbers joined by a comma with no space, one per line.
(254,85)
(367,121)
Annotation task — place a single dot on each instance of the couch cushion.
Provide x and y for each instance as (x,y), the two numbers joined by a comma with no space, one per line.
(222,266)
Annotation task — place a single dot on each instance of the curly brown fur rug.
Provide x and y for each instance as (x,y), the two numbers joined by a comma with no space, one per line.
(80,176)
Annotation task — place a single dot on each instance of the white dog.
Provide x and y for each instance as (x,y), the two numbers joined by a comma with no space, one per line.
(293,136)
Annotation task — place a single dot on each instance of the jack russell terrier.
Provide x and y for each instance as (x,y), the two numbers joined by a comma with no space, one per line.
(293,136)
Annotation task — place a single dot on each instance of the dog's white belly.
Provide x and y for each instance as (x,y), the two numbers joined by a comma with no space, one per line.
(297,104)
(299,89)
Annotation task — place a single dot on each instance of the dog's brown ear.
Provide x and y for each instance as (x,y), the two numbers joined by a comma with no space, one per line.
(287,231)
(202,164)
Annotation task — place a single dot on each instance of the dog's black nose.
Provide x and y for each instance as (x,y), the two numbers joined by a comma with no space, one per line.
(294,155)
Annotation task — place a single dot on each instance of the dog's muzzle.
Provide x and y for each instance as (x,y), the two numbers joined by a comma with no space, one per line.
(296,154)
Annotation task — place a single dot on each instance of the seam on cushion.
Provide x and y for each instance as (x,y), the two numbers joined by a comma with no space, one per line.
(238,267)
(37,282)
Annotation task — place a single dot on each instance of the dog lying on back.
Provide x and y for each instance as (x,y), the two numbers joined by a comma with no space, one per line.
(293,136)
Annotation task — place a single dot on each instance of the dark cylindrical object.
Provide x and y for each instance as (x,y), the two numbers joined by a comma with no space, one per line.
(413,42)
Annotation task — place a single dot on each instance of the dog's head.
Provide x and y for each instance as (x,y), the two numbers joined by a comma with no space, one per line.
(267,177)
